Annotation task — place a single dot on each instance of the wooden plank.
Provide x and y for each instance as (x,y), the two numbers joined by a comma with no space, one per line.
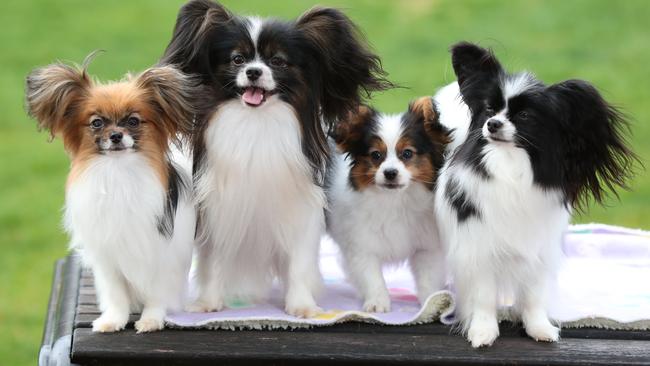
(346,343)
(87,311)
(506,329)
(49,329)
(203,347)
(58,330)
(87,299)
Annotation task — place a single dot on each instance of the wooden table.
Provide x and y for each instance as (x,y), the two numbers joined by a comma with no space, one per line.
(72,308)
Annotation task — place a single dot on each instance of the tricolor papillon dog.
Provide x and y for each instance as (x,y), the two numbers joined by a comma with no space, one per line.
(260,148)
(380,195)
(128,207)
(528,155)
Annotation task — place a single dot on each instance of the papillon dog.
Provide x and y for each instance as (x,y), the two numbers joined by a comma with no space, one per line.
(128,206)
(380,196)
(531,154)
(260,148)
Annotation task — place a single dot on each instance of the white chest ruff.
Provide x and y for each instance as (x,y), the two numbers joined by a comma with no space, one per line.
(516,219)
(115,203)
(255,180)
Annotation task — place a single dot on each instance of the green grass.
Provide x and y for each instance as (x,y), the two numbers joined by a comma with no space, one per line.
(605,42)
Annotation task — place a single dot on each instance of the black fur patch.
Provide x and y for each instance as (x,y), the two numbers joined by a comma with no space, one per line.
(457,198)
(329,67)
(470,154)
(575,140)
(177,186)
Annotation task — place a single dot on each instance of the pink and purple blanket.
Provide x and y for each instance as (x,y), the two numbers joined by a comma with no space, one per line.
(604,282)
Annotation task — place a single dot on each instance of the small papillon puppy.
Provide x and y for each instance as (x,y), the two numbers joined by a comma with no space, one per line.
(260,148)
(530,155)
(380,195)
(128,206)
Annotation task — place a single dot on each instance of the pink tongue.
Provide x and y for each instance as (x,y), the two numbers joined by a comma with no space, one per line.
(253,96)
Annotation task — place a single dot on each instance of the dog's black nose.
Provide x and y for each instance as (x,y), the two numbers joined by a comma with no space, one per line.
(494,125)
(390,174)
(116,137)
(253,73)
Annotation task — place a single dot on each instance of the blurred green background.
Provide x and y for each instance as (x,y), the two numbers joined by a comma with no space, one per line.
(606,42)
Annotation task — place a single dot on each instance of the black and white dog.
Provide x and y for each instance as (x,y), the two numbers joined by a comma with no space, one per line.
(525,155)
(260,148)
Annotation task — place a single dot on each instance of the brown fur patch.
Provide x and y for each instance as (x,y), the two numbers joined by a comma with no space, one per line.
(351,128)
(362,173)
(64,100)
(116,102)
(424,108)
(419,165)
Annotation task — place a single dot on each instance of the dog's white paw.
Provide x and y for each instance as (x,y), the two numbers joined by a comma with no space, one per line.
(543,332)
(377,304)
(108,324)
(149,325)
(202,306)
(303,311)
(482,335)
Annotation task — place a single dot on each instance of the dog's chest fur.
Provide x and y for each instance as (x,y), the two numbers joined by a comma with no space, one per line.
(114,206)
(254,177)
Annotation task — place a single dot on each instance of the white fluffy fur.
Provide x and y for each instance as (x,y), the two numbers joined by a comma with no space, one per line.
(378,226)
(264,214)
(456,114)
(111,213)
(512,251)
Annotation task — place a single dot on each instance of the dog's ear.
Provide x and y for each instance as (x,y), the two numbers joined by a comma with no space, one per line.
(197,22)
(348,69)
(171,92)
(470,60)
(53,95)
(352,129)
(597,158)
(477,69)
(425,111)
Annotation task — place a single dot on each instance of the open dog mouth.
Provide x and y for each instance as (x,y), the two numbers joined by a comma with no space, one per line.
(255,96)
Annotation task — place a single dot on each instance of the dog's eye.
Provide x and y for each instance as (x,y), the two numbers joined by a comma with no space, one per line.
(522,115)
(238,59)
(375,155)
(133,121)
(278,62)
(407,154)
(97,123)
(489,110)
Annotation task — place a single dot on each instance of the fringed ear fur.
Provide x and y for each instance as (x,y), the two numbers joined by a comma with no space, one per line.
(348,68)
(351,129)
(195,22)
(172,92)
(477,69)
(425,110)
(53,94)
(598,158)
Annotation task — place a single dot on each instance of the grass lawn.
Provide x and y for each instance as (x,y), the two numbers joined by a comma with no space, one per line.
(605,42)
